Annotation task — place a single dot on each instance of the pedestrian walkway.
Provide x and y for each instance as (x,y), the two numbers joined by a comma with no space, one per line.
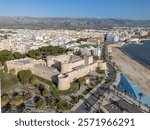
(125,84)
(132,89)
(87,96)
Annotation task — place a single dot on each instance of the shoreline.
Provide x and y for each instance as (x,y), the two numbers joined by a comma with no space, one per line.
(135,59)
(135,71)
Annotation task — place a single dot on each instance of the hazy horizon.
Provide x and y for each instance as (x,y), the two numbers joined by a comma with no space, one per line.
(77,17)
(107,9)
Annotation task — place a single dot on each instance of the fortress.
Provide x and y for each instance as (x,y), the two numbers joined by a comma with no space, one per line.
(62,69)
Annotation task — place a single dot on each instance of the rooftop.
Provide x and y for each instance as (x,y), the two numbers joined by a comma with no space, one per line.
(22,61)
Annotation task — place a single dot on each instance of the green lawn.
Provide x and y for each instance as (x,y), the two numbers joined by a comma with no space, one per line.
(72,89)
(54,88)
(7,80)
(50,83)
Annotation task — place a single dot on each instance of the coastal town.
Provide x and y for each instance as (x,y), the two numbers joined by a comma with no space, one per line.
(77,71)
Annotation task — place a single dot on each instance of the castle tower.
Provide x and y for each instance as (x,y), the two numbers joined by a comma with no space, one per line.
(49,61)
(65,67)
(63,82)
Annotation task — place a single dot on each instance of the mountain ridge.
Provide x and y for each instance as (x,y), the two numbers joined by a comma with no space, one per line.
(69,23)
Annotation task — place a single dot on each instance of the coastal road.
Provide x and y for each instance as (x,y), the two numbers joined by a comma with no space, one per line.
(88,103)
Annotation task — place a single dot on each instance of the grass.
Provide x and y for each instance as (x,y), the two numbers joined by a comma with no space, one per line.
(50,83)
(70,90)
(87,45)
(76,99)
(54,88)
(7,80)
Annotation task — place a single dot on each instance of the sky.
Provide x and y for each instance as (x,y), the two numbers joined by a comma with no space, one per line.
(120,9)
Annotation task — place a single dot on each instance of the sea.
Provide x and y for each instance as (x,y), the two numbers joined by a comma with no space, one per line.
(141,54)
(138,52)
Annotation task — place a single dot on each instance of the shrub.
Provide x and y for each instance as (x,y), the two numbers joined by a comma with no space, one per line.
(17,101)
(40,104)
(4,101)
(24,76)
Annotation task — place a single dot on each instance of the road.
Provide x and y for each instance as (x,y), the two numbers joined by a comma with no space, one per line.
(88,103)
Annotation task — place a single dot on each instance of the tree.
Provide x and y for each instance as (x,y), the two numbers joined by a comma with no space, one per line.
(122,86)
(41,88)
(1,64)
(52,103)
(125,93)
(99,107)
(5,56)
(114,87)
(46,51)
(21,107)
(24,76)
(33,80)
(17,101)
(108,92)
(81,80)
(40,104)
(8,80)
(61,104)
(17,55)
(140,97)
(32,54)
(46,93)
(117,90)
(4,101)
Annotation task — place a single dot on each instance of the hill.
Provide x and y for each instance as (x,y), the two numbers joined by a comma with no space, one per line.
(69,23)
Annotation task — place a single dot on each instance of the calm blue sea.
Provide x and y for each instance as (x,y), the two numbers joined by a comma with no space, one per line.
(140,53)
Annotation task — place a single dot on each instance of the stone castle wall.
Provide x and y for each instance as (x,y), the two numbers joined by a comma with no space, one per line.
(54,59)
(67,67)
(69,71)
(81,72)
(18,65)
(64,82)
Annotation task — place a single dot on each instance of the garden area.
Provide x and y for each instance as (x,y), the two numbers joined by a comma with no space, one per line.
(7,80)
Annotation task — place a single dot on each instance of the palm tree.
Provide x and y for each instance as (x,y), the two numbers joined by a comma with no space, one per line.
(125,93)
(117,90)
(99,107)
(114,87)
(33,80)
(140,97)
(108,92)
(121,87)
(46,93)
(79,81)
(4,101)
(40,104)
(17,101)
(52,103)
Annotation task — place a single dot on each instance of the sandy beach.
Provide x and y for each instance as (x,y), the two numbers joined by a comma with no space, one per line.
(136,72)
